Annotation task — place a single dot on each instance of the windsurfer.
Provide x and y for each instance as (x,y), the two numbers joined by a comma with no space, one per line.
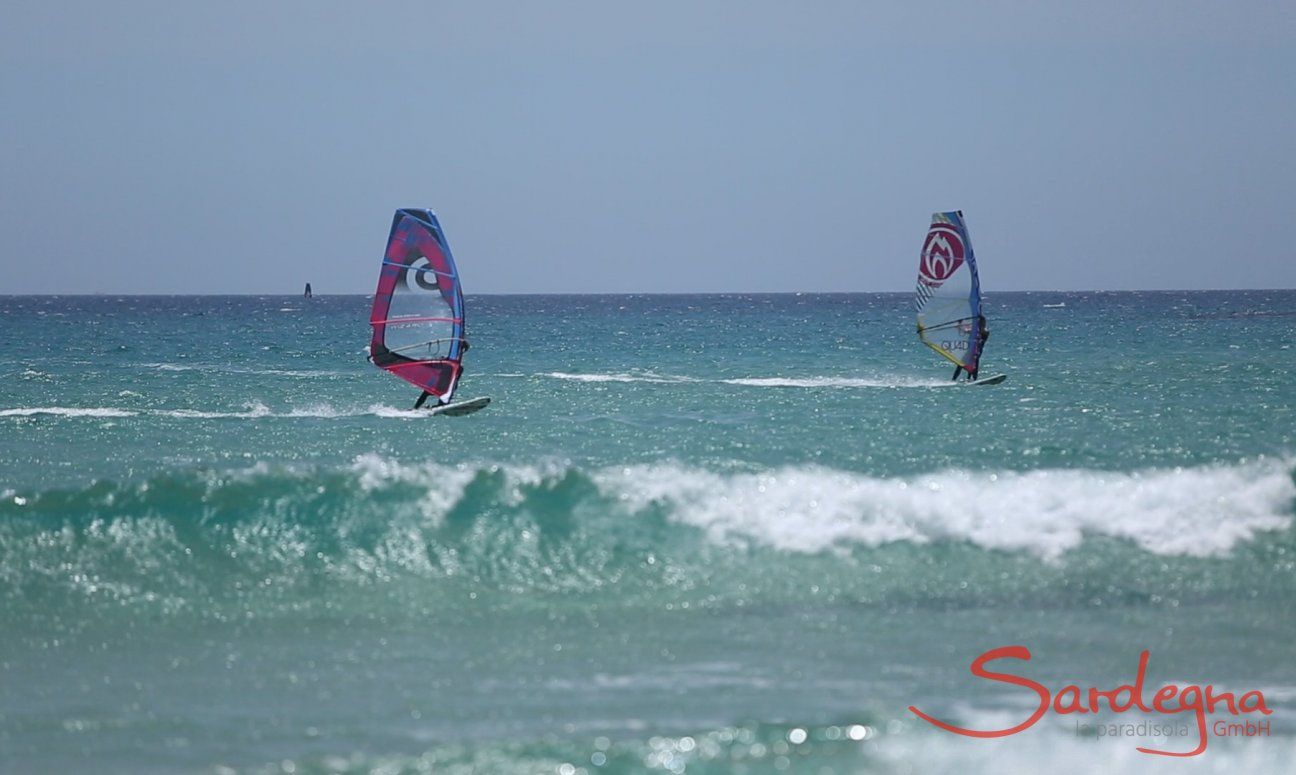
(983,333)
(463,348)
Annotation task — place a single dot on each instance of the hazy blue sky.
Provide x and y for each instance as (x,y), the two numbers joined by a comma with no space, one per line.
(178,147)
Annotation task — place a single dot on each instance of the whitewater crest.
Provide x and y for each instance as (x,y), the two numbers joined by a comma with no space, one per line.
(1203,511)
(1184,511)
(1189,511)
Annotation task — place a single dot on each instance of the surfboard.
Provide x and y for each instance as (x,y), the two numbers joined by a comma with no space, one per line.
(461,408)
(947,295)
(993,379)
(418,311)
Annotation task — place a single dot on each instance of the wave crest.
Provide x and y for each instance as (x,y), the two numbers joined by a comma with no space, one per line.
(1186,511)
(193,536)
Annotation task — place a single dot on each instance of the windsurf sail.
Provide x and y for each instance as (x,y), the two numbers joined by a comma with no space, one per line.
(418,309)
(948,294)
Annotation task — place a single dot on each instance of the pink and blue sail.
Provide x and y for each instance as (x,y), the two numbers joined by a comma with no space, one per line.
(948,293)
(418,309)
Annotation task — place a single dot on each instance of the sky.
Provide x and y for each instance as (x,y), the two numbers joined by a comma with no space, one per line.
(582,147)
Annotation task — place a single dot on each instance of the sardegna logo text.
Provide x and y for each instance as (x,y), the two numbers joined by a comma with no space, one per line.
(1168,700)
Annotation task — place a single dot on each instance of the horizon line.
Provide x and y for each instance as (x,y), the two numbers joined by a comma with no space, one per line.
(299,295)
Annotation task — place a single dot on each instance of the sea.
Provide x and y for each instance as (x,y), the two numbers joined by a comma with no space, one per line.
(691,533)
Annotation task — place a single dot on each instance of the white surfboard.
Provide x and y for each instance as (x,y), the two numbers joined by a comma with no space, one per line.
(993,379)
(460,408)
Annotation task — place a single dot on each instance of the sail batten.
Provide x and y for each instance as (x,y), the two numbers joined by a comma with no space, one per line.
(415,320)
(417,317)
(948,292)
(423,269)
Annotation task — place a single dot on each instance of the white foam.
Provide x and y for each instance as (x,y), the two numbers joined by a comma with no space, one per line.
(1189,511)
(1201,511)
(774,382)
(835,382)
(379,410)
(299,373)
(445,484)
(252,411)
(317,410)
(192,414)
(67,411)
(328,411)
(618,377)
(214,367)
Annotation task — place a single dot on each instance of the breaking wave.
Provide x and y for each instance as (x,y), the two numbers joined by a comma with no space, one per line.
(1197,511)
(692,534)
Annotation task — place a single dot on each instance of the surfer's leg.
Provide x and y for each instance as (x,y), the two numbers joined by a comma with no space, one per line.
(419,403)
(957,369)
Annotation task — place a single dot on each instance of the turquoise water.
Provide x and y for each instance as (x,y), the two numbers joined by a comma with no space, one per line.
(692,533)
